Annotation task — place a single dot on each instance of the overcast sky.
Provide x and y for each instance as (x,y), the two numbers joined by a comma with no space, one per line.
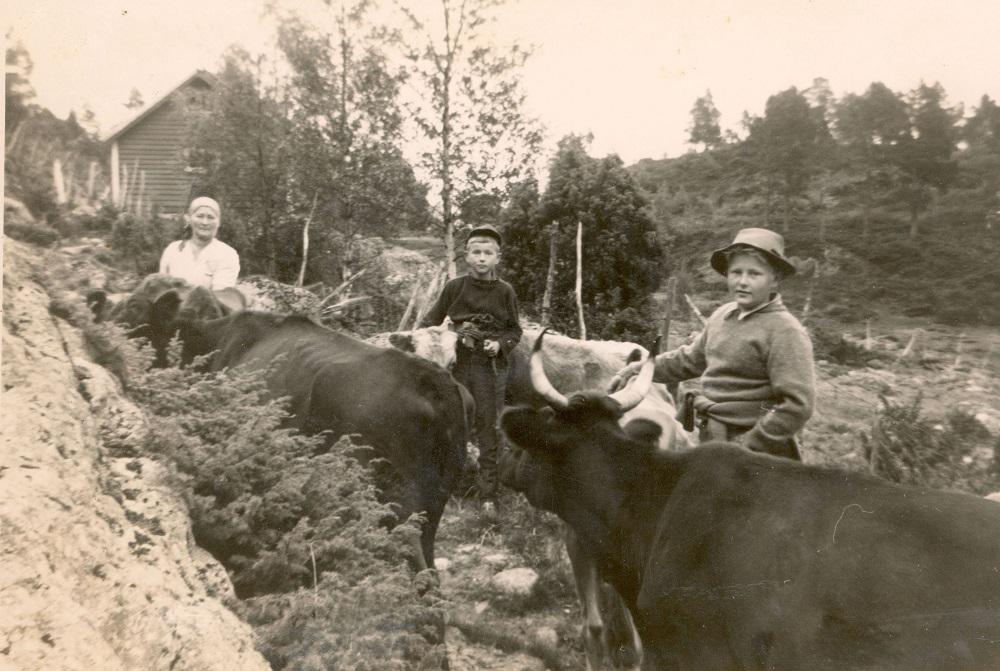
(627,71)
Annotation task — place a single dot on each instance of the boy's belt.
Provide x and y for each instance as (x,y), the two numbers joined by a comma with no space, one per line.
(713,428)
(695,408)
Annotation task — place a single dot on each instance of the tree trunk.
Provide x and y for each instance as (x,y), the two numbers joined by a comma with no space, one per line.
(446,185)
(550,276)
(57,181)
(866,216)
(579,280)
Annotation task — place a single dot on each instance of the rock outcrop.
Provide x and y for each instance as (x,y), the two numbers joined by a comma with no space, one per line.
(97,562)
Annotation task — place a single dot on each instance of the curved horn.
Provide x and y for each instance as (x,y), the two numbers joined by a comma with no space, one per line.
(540,381)
(630,396)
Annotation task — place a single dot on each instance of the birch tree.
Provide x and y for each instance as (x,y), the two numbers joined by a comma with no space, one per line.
(468,105)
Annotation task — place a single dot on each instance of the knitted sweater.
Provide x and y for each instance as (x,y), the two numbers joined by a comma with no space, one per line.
(756,370)
(466,297)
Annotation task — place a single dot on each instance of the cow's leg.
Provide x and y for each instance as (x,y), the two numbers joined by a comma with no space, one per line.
(587,586)
(435,496)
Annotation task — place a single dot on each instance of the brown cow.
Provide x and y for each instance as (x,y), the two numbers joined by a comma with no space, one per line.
(574,365)
(731,559)
(136,313)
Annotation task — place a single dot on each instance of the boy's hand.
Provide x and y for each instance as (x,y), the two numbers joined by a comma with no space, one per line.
(491,347)
(622,377)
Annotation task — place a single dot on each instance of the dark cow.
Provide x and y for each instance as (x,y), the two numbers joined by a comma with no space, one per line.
(731,559)
(409,410)
(609,634)
(135,312)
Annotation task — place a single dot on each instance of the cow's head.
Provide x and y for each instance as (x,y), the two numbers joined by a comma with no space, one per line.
(433,343)
(159,304)
(133,310)
(190,314)
(574,450)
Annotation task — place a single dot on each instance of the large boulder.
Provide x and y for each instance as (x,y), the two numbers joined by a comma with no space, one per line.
(98,563)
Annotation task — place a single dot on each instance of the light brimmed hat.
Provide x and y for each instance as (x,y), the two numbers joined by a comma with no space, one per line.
(485,230)
(761,239)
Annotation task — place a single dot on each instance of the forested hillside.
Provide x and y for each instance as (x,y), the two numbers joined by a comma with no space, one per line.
(895,195)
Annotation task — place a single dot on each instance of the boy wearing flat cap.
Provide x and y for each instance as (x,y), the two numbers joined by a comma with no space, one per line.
(483,309)
(754,357)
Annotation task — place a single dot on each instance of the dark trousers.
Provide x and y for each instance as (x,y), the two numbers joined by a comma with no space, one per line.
(713,429)
(486,379)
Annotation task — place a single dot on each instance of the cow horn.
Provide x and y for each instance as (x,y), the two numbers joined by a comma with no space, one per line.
(632,395)
(540,381)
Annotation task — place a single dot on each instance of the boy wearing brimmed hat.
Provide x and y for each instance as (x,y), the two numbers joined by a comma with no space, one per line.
(754,357)
(483,309)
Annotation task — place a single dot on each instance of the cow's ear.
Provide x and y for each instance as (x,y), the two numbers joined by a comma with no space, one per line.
(165,309)
(402,341)
(645,431)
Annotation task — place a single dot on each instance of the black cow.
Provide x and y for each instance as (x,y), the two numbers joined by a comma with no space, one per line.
(732,560)
(409,410)
(609,635)
(136,314)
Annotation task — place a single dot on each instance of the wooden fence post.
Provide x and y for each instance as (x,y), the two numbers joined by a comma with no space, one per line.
(409,305)
(550,275)
(305,243)
(695,310)
(668,311)
(431,294)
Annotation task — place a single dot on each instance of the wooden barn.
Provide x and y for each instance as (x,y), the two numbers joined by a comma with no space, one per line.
(150,169)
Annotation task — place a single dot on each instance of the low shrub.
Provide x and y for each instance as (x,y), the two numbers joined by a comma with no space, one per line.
(33,233)
(908,448)
(297,523)
(141,240)
(100,221)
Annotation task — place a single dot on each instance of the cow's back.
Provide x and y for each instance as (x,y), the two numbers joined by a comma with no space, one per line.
(409,410)
(820,569)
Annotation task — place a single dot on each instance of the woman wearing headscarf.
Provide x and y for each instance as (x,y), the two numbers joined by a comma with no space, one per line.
(202,259)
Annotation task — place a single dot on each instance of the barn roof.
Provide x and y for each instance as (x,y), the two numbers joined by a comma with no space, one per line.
(203,75)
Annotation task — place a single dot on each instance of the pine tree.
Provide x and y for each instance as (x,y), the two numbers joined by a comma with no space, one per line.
(785,145)
(622,258)
(925,156)
(704,128)
(871,128)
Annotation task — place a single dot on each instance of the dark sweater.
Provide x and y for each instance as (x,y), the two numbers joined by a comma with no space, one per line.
(465,297)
